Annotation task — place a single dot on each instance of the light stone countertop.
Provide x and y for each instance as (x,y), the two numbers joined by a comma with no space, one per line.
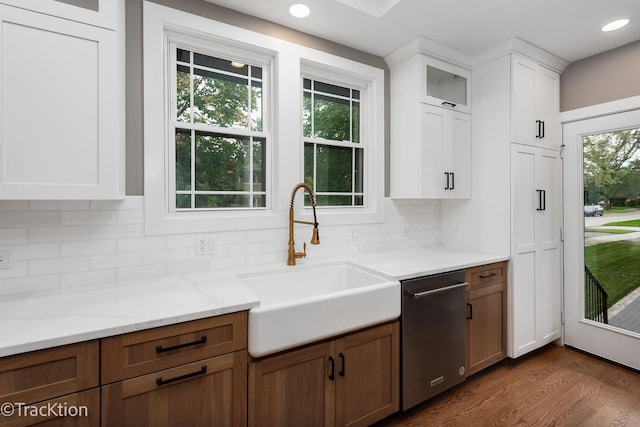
(43,320)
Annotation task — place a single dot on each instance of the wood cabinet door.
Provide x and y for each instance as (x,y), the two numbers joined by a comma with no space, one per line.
(368,376)
(294,389)
(486,326)
(210,392)
(73,410)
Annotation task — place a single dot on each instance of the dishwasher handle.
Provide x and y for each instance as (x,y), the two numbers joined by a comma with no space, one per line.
(418,295)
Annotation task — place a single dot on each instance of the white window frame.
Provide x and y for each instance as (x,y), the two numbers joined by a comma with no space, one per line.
(288,62)
(370,86)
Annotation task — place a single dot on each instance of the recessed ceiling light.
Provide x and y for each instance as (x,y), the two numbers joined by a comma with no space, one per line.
(615,25)
(299,10)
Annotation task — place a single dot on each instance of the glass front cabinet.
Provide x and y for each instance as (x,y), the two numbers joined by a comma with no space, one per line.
(444,85)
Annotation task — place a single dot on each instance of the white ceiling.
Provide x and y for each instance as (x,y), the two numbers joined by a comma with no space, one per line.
(569,29)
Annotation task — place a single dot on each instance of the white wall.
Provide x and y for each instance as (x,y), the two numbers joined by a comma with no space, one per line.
(83,243)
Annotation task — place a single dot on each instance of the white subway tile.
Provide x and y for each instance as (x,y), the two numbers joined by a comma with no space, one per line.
(58,234)
(89,218)
(22,285)
(99,262)
(224,263)
(181,241)
(91,247)
(130,217)
(58,265)
(193,266)
(35,251)
(59,205)
(142,272)
(87,278)
(29,219)
(14,205)
(142,244)
(165,256)
(18,269)
(13,236)
(118,231)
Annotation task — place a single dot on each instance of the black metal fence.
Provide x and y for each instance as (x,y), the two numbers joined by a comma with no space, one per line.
(595,298)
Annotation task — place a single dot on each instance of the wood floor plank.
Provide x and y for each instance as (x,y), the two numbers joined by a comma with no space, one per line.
(554,386)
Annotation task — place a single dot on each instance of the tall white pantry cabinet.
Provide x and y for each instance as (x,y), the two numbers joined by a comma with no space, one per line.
(62,100)
(516,203)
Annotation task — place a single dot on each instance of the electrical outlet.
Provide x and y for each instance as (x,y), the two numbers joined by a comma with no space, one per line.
(206,245)
(5,259)
(354,234)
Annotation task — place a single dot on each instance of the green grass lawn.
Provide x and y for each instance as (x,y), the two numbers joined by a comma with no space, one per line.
(616,265)
(630,223)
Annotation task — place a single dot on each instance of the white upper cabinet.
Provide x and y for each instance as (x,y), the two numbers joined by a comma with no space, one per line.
(61,107)
(430,145)
(535,104)
(445,85)
(100,13)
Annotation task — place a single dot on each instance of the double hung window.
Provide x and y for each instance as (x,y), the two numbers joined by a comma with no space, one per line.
(219,149)
(334,152)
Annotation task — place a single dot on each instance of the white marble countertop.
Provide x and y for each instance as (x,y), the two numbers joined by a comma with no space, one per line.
(423,261)
(42,320)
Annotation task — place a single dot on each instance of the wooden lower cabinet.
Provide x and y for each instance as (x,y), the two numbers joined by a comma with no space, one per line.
(486,316)
(350,381)
(51,387)
(73,410)
(209,392)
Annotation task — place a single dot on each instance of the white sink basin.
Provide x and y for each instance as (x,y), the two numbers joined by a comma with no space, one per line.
(306,303)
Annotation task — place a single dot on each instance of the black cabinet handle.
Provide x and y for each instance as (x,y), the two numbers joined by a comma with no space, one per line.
(446,174)
(341,372)
(542,200)
(453,180)
(540,133)
(160,381)
(493,274)
(449,104)
(332,375)
(202,340)
(470,311)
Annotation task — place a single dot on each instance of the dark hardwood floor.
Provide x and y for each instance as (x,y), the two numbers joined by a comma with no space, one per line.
(554,386)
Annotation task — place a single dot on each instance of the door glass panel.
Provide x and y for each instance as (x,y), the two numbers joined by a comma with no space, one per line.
(611,164)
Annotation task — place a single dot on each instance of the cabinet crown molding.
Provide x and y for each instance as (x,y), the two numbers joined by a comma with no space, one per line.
(426,46)
(522,47)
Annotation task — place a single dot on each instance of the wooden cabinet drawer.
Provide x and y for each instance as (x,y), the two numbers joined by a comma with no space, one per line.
(139,353)
(210,392)
(45,374)
(73,410)
(485,275)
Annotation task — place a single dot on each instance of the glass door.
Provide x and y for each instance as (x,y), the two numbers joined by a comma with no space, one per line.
(602,236)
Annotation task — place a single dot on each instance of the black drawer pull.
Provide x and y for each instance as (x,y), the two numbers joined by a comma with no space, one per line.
(449,104)
(160,381)
(470,311)
(332,375)
(202,340)
(488,275)
(341,372)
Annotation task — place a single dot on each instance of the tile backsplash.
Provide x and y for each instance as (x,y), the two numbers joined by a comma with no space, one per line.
(64,244)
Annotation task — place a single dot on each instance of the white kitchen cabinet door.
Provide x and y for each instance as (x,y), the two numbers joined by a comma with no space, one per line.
(61,114)
(445,145)
(535,104)
(535,288)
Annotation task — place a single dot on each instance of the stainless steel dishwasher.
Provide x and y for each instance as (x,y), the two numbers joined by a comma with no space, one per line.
(433,335)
